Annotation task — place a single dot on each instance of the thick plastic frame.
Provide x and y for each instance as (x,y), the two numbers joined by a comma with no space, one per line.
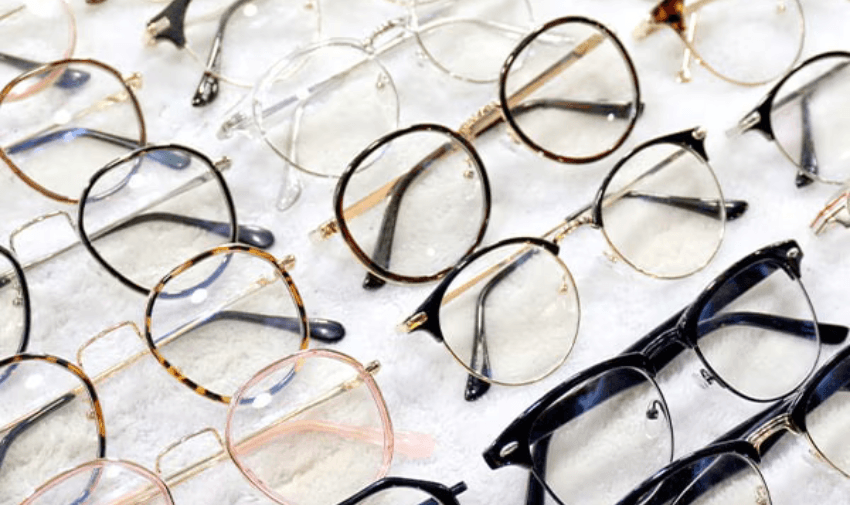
(157,290)
(58,65)
(216,176)
(444,495)
(650,354)
(18,273)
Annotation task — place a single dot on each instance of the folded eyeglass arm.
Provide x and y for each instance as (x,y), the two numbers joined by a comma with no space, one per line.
(207,90)
(70,78)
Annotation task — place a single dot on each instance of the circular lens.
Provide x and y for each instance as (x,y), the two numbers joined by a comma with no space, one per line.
(710,480)
(35,32)
(414,204)
(615,423)
(103,482)
(569,91)
(827,411)
(310,429)
(248,35)
(758,332)
(663,211)
(14,306)
(728,33)
(349,100)
(511,315)
(470,39)
(224,315)
(50,422)
(153,210)
(810,117)
(57,138)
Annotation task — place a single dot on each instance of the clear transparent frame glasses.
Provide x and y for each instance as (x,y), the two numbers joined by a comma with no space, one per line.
(806,115)
(42,31)
(721,36)
(550,62)
(754,332)
(727,470)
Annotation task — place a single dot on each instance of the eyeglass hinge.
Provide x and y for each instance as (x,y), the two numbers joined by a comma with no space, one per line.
(223,163)
(413,322)
(770,429)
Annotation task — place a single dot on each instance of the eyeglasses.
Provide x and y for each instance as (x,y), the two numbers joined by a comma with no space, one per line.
(728,33)
(41,31)
(103,482)
(426,219)
(56,138)
(755,333)
(510,313)
(38,440)
(261,30)
(727,470)
(805,114)
(320,408)
(543,97)
(351,90)
(15,312)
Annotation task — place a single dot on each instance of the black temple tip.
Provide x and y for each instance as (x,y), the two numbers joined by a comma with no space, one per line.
(736,209)
(372,282)
(207,91)
(255,236)
(325,330)
(803,180)
(475,388)
(832,333)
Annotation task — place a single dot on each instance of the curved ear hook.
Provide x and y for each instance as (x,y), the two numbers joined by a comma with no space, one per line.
(37,220)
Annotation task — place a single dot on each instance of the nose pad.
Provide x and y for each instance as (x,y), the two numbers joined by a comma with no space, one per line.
(704,378)
(655,419)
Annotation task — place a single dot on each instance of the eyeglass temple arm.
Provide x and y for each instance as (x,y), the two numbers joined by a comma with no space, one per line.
(207,89)
(708,207)
(480,358)
(247,234)
(165,157)
(808,158)
(70,78)
(26,423)
(323,330)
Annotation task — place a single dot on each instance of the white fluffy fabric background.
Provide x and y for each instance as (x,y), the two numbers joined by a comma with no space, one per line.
(73,298)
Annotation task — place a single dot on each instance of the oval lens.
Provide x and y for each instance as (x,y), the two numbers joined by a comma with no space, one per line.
(728,33)
(827,411)
(14,306)
(57,138)
(663,211)
(810,116)
(48,424)
(153,210)
(614,423)
(511,315)
(35,32)
(103,482)
(224,317)
(758,332)
(712,480)
(414,203)
(310,429)
(470,39)
(250,35)
(569,90)
(349,101)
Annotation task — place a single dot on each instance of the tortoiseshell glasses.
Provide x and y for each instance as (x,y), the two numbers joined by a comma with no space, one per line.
(509,313)
(726,37)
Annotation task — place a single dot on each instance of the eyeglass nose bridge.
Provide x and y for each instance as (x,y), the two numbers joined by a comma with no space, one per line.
(770,429)
(209,430)
(387,26)
(35,221)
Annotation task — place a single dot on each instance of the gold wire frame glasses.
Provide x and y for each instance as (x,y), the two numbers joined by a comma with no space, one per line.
(723,36)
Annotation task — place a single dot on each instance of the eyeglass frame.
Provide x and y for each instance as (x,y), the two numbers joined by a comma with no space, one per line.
(23,296)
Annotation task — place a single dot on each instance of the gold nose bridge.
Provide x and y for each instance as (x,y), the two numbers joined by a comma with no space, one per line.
(771,428)
(571,226)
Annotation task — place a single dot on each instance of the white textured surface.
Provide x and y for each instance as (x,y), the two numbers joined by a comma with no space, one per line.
(73,298)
